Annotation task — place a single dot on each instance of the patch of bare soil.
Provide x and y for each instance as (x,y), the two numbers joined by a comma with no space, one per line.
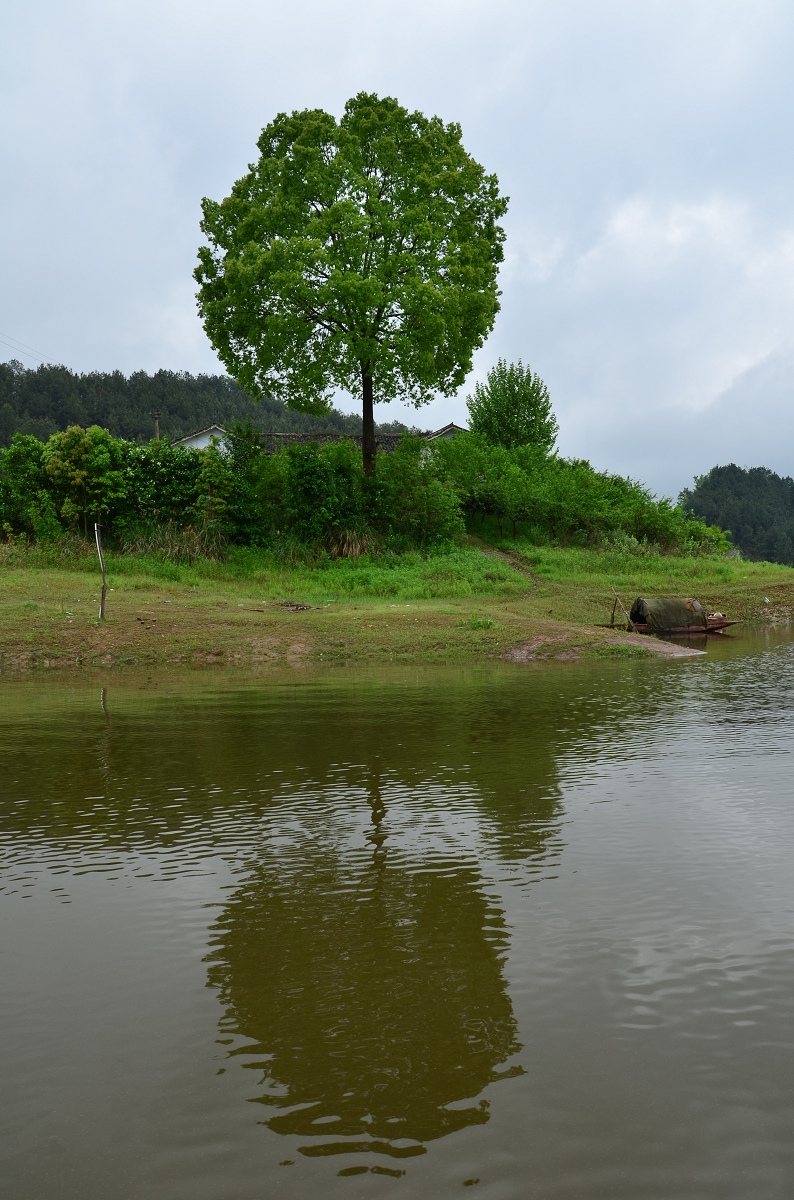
(297,652)
(656,646)
(530,651)
(545,647)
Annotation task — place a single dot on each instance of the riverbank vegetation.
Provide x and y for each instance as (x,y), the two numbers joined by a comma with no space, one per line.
(310,502)
(448,604)
(451,549)
(577,579)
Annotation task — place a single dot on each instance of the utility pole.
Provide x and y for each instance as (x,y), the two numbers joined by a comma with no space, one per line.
(156,417)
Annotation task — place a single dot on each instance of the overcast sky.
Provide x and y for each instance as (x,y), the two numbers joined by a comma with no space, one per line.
(645,147)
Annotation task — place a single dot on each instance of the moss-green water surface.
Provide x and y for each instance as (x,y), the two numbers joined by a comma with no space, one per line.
(399,932)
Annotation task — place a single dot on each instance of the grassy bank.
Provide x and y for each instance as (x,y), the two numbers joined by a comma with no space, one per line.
(580,581)
(465,603)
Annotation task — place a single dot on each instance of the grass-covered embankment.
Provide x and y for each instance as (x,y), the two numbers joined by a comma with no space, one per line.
(581,580)
(469,602)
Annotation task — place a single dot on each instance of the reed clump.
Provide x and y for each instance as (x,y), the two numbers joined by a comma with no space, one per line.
(177,543)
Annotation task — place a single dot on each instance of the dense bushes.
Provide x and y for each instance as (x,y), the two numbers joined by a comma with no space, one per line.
(314,498)
(551,499)
(85,475)
(165,499)
(318,495)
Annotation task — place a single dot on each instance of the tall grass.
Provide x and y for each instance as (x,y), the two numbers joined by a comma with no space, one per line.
(170,542)
(609,565)
(455,573)
(578,574)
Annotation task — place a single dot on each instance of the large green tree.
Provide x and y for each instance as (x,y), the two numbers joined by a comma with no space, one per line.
(359,254)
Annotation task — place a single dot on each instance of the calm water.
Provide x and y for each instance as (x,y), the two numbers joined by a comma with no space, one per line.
(396,934)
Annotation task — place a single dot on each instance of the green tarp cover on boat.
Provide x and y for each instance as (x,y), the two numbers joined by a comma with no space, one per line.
(666,612)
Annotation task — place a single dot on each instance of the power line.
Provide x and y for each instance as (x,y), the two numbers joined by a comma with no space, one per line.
(22,352)
(29,351)
(11,338)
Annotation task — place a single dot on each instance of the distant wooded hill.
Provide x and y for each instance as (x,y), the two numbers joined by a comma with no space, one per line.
(47,399)
(755,504)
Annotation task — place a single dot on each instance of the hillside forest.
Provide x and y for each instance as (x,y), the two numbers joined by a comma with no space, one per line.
(48,399)
(754,504)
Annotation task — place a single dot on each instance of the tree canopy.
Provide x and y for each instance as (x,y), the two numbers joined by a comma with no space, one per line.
(512,408)
(359,254)
(755,504)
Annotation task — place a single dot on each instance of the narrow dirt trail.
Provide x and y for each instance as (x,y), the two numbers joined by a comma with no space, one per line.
(510,560)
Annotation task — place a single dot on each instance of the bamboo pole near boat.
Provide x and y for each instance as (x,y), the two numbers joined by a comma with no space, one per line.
(625,614)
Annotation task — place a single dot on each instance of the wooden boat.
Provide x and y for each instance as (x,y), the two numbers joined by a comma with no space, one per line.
(669,615)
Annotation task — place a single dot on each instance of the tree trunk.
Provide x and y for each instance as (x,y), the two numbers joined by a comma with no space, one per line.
(368,440)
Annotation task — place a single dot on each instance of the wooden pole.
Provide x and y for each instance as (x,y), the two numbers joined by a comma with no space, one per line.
(625,614)
(98,536)
(612,618)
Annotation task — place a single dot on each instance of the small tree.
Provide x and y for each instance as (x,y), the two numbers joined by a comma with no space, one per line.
(85,465)
(512,408)
(360,254)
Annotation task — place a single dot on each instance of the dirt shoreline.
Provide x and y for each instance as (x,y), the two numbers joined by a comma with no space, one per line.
(174,634)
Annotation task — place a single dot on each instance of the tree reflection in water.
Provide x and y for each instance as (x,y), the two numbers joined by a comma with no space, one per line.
(372,990)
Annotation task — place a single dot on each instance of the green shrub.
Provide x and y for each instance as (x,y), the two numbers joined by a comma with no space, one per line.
(85,467)
(565,500)
(416,502)
(23,481)
(162,485)
(324,494)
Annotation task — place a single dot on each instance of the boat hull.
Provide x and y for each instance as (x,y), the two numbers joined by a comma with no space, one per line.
(714,625)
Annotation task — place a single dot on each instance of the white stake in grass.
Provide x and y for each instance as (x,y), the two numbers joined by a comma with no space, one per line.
(102,565)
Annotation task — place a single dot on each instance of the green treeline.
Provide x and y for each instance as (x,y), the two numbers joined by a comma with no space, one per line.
(316,499)
(755,504)
(50,398)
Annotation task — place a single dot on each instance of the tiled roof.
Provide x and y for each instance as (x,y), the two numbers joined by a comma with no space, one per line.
(273,441)
(445,431)
(388,442)
(215,430)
